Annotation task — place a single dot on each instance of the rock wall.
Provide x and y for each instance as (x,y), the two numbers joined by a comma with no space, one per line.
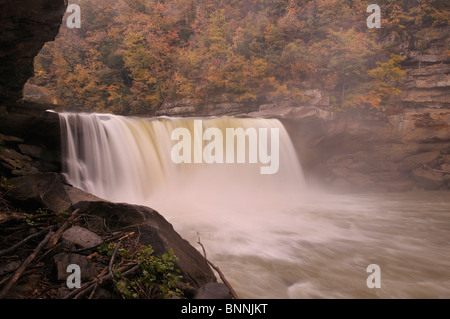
(26,26)
(403,147)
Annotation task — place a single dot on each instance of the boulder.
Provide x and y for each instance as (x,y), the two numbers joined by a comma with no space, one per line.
(81,237)
(154,230)
(43,189)
(77,195)
(14,163)
(62,260)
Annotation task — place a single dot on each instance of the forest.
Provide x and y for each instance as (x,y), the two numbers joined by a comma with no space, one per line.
(134,56)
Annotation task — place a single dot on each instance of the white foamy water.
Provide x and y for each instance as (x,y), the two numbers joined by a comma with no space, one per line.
(271,235)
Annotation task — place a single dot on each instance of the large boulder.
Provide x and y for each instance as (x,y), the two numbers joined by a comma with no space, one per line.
(81,237)
(153,229)
(39,190)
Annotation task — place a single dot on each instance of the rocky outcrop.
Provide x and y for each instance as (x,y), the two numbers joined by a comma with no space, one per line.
(29,139)
(39,190)
(100,216)
(153,230)
(403,147)
(369,151)
(427,66)
(26,26)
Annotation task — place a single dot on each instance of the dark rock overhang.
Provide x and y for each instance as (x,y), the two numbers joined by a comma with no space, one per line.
(26,26)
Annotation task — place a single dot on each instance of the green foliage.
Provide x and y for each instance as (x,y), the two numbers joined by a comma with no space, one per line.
(385,81)
(157,277)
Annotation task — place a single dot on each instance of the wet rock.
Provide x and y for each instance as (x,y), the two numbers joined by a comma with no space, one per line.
(81,237)
(153,229)
(77,195)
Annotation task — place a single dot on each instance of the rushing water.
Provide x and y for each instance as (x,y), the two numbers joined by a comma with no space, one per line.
(271,235)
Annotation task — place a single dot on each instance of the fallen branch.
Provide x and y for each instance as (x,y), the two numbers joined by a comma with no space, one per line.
(222,276)
(102,280)
(17,245)
(24,265)
(64,226)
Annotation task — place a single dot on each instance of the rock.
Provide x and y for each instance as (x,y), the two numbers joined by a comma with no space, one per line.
(43,189)
(81,237)
(62,260)
(31,150)
(153,229)
(213,291)
(447,180)
(445,168)
(6,140)
(428,179)
(341,185)
(15,163)
(414,161)
(177,111)
(27,26)
(77,195)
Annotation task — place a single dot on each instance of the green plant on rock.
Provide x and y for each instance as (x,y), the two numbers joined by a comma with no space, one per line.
(157,277)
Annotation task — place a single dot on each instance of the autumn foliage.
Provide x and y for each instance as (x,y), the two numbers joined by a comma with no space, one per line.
(133,56)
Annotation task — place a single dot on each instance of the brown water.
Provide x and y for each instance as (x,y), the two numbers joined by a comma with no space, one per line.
(272,235)
(321,247)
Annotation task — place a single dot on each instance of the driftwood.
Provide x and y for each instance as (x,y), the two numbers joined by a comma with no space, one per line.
(222,276)
(64,226)
(49,241)
(24,265)
(12,248)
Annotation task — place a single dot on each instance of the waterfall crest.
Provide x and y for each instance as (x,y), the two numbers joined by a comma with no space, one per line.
(127,159)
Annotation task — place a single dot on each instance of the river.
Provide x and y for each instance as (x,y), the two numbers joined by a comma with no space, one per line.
(273,236)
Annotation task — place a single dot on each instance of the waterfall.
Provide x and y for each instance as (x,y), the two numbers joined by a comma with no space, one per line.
(272,236)
(128,159)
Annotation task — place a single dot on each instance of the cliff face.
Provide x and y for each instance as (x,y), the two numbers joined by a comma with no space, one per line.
(26,26)
(405,146)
